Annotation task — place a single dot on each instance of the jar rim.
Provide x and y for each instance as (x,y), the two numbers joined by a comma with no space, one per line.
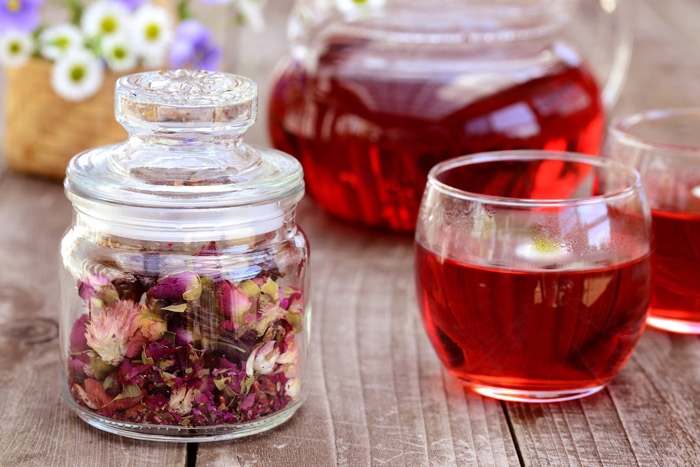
(622,129)
(455,22)
(633,187)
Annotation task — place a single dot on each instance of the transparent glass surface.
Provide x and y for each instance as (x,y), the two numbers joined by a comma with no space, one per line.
(184,286)
(370,97)
(664,146)
(532,271)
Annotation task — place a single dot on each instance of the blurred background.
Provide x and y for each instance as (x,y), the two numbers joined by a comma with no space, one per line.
(657,26)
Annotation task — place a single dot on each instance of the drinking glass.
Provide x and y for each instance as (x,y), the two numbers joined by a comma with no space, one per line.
(664,146)
(533,271)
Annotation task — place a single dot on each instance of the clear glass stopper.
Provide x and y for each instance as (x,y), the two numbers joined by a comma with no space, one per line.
(186,100)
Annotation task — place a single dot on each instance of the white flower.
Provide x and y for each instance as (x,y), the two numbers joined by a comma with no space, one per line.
(292,388)
(251,12)
(104,18)
(57,40)
(152,32)
(119,53)
(77,75)
(15,48)
(181,400)
(262,359)
(349,6)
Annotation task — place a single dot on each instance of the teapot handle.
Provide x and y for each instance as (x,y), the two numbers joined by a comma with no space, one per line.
(620,12)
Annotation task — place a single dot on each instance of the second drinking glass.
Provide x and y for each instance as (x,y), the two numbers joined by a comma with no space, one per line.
(532,271)
(664,146)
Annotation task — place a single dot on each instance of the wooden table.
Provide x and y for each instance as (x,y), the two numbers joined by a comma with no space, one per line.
(378,394)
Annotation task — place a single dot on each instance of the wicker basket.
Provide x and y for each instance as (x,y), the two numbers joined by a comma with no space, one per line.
(44,131)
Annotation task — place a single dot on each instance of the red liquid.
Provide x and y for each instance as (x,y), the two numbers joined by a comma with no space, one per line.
(676,270)
(532,331)
(367,142)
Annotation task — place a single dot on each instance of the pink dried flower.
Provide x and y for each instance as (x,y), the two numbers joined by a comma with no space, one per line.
(78,342)
(98,290)
(177,287)
(271,313)
(108,333)
(232,302)
(151,325)
(135,345)
(289,360)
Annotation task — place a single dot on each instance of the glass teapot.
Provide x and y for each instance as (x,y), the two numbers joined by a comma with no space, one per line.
(373,93)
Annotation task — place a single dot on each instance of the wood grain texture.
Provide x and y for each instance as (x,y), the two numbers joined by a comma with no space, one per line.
(657,400)
(36,427)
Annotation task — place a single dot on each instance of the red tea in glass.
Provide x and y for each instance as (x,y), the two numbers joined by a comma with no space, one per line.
(368,139)
(559,331)
(533,271)
(676,270)
(664,146)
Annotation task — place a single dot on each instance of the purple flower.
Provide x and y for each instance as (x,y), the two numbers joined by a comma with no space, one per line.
(19,15)
(131,4)
(192,47)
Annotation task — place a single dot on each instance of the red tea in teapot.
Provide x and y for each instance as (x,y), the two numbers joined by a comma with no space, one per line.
(367,138)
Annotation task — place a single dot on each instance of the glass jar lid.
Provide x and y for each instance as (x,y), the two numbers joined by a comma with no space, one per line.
(185,157)
(185,146)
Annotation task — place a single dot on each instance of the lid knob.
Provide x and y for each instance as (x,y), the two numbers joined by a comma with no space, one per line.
(186,101)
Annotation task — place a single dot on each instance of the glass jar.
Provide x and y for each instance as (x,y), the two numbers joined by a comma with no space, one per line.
(373,94)
(184,293)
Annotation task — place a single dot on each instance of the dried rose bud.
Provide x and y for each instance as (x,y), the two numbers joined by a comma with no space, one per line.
(98,290)
(232,302)
(177,287)
(151,325)
(108,332)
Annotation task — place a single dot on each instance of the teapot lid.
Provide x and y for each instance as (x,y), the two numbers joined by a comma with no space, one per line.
(184,169)
(450,21)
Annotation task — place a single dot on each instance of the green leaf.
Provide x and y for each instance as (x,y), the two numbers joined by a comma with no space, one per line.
(178,308)
(129,391)
(249,288)
(193,294)
(184,10)
(221,383)
(169,336)
(144,359)
(271,288)
(99,367)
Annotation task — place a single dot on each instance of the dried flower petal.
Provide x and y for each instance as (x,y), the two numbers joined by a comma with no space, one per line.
(292,388)
(181,400)
(98,290)
(186,349)
(83,396)
(262,359)
(78,341)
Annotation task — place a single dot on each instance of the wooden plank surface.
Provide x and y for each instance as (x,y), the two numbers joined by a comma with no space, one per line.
(378,394)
